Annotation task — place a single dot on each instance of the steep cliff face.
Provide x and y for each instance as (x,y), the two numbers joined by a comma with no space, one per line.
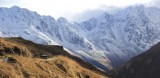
(145,65)
(106,41)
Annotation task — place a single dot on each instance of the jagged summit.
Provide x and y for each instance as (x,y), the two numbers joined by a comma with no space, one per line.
(62,20)
(15,7)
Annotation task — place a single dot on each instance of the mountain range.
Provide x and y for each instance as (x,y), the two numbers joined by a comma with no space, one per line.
(105,41)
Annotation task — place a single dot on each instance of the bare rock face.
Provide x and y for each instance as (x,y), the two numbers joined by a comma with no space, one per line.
(10,59)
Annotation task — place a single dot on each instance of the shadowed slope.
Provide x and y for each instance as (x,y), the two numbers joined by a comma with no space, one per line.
(145,65)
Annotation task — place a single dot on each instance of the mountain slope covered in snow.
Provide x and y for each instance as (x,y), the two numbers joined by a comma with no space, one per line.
(105,41)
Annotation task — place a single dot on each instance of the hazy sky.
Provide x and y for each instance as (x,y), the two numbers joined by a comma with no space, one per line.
(74,9)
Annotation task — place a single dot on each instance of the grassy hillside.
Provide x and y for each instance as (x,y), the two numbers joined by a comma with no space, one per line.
(20,58)
(56,67)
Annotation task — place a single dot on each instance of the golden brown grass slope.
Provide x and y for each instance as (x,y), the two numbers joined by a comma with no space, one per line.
(56,67)
(20,58)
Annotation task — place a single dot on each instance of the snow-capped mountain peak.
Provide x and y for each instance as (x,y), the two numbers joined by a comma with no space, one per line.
(105,41)
(62,20)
